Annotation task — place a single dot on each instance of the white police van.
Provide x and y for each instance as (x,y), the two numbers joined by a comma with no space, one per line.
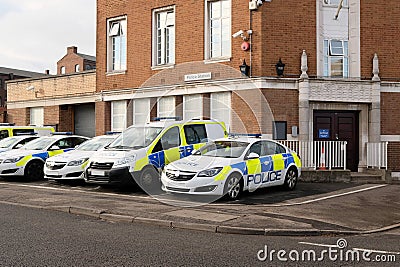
(231,165)
(141,151)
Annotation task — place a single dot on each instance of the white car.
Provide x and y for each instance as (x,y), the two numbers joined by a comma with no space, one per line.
(15,142)
(28,161)
(71,165)
(229,166)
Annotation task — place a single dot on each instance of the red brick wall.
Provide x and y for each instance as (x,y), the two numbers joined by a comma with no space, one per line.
(19,116)
(390,114)
(288,28)
(379,33)
(66,119)
(284,105)
(103,117)
(244,116)
(280,33)
(394,156)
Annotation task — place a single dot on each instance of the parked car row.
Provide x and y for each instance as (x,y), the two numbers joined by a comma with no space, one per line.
(195,157)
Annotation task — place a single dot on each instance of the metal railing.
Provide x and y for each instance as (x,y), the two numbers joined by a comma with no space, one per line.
(377,155)
(320,154)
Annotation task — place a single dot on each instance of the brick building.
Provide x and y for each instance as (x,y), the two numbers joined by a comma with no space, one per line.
(65,101)
(338,66)
(7,74)
(75,62)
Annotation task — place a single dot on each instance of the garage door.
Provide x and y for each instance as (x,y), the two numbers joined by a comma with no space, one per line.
(84,120)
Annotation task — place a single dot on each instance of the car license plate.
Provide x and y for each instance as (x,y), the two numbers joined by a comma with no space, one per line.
(97,172)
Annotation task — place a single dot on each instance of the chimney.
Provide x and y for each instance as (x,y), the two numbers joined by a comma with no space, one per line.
(72,50)
(47,72)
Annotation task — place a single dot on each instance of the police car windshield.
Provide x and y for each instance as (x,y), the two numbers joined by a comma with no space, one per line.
(8,142)
(39,144)
(223,149)
(95,144)
(135,137)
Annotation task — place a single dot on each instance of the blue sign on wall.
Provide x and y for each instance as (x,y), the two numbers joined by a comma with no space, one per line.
(323,133)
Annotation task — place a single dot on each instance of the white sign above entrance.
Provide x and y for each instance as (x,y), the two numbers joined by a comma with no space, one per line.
(197,76)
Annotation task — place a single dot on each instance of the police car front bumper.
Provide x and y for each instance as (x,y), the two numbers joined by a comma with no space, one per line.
(66,173)
(11,169)
(206,186)
(114,176)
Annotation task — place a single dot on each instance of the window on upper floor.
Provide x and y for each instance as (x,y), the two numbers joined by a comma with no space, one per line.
(218,30)
(336,58)
(77,68)
(116,45)
(62,70)
(164,36)
(335,2)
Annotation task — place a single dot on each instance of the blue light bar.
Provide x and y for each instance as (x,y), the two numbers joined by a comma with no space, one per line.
(111,133)
(245,135)
(177,118)
(62,133)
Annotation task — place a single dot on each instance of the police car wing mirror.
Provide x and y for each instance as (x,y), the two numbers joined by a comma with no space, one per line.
(253,155)
(19,146)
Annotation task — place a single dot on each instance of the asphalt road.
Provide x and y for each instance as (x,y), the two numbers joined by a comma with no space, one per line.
(35,237)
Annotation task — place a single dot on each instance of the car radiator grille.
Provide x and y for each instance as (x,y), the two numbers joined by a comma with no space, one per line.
(182,176)
(101,165)
(56,166)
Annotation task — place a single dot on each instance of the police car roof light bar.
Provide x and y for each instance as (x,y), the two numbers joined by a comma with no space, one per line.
(7,124)
(111,133)
(62,133)
(245,135)
(177,118)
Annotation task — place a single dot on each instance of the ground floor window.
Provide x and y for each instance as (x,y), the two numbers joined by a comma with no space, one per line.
(118,115)
(37,116)
(192,106)
(166,106)
(141,111)
(221,107)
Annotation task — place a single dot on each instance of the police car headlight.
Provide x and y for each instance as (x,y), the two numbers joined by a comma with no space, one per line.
(125,161)
(13,160)
(210,172)
(77,162)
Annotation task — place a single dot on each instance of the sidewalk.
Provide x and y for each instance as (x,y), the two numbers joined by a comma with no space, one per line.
(361,209)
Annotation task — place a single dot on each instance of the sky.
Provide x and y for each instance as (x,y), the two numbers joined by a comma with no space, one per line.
(35,34)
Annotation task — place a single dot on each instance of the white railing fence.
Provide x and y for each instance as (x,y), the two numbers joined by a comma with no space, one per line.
(377,155)
(320,154)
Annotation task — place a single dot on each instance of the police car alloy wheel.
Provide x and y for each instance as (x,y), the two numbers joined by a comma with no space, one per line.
(291,179)
(34,170)
(234,187)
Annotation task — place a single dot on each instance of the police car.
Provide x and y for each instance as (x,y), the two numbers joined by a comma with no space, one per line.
(28,160)
(70,165)
(14,142)
(141,151)
(231,165)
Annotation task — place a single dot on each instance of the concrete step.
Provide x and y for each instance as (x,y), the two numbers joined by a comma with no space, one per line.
(360,177)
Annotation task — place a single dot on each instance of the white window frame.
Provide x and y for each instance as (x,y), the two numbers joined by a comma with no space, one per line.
(331,54)
(141,111)
(118,111)
(166,106)
(163,49)
(36,116)
(221,107)
(225,29)
(117,30)
(192,106)
(62,70)
(335,3)
(77,68)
